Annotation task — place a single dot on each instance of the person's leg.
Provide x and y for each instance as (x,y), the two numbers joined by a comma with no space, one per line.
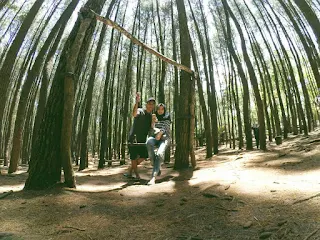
(140,160)
(161,153)
(151,143)
(159,159)
(133,156)
(134,164)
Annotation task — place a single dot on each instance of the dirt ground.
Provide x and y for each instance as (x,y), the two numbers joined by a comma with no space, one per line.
(233,195)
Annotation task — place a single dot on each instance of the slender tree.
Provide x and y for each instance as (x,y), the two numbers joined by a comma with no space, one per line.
(8,62)
(88,97)
(311,17)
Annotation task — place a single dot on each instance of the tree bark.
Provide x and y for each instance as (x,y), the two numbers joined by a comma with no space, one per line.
(31,78)
(185,121)
(52,146)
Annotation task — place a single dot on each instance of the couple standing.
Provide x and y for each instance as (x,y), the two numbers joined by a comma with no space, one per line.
(157,127)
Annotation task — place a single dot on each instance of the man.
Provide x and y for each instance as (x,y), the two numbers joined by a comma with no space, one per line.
(138,134)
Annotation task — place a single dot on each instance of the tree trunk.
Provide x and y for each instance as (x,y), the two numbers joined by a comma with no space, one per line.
(311,17)
(184,140)
(176,74)
(306,47)
(128,86)
(213,105)
(3,3)
(66,130)
(276,79)
(246,112)
(52,146)
(88,97)
(104,119)
(200,89)
(31,78)
(161,97)
(253,79)
(8,62)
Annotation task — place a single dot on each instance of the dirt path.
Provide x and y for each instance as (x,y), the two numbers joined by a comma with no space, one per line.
(234,195)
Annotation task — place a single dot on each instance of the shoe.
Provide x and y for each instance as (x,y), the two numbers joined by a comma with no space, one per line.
(128,175)
(151,182)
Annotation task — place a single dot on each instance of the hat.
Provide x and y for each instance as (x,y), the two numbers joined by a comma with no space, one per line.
(151,99)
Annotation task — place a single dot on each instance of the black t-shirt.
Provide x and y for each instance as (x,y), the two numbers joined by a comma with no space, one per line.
(141,126)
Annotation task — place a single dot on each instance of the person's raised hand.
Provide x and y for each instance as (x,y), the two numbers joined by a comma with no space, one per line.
(138,97)
(154,118)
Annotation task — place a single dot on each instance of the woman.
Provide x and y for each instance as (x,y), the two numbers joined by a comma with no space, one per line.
(161,138)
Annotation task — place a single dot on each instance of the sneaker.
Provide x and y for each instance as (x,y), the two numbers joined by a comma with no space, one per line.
(127,175)
(151,182)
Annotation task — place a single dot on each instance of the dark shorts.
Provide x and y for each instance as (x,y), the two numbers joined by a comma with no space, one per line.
(138,152)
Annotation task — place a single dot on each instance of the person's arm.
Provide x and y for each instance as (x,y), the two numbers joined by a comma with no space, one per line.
(159,135)
(153,121)
(135,110)
(136,105)
(164,129)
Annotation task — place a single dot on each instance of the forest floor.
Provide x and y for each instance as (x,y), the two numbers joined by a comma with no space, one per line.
(234,195)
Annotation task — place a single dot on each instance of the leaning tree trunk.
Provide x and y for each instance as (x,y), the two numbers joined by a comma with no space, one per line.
(255,55)
(8,63)
(267,77)
(88,97)
(31,78)
(245,101)
(3,3)
(285,120)
(213,106)
(52,149)
(303,40)
(104,119)
(259,71)
(206,117)
(300,72)
(253,79)
(113,116)
(311,17)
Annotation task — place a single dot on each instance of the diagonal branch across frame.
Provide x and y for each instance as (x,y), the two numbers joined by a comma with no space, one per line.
(136,41)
